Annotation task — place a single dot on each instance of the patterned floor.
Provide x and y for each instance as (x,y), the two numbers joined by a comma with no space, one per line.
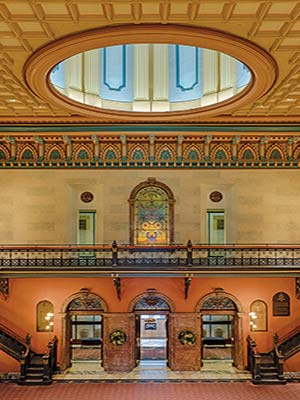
(154,371)
(150,391)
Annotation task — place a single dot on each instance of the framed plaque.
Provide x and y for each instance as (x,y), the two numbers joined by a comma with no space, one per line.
(281,305)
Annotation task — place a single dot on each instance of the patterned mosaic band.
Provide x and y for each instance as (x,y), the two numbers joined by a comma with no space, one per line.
(149,150)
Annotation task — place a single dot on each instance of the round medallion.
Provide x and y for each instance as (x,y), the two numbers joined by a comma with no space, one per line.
(86,197)
(216,196)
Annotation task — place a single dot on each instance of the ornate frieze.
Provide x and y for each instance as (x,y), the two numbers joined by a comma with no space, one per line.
(219,302)
(148,150)
(86,301)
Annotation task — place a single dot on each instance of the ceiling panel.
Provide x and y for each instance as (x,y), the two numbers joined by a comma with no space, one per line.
(28,25)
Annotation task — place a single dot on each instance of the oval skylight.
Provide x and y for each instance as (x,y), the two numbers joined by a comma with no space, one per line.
(150,77)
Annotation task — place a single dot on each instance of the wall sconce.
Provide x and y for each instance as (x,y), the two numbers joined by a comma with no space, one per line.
(253,318)
(49,319)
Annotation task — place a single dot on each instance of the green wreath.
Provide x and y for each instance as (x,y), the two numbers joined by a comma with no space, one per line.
(187,337)
(117,337)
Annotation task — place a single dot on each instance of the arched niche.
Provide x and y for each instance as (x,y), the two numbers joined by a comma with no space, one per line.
(43,319)
(151,210)
(258,316)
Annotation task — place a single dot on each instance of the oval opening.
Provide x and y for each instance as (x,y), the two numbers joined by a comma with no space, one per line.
(150,77)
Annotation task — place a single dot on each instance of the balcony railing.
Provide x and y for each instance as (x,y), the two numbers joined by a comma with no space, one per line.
(130,257)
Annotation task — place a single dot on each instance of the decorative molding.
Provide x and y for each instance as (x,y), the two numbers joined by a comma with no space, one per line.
(85,299)
(219,297)
(142,150)
(151,301)
(86,197)
(216,196)
(38,67)
(4,287)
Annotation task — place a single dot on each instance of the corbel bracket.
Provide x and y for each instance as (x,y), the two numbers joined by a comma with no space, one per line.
(117,285)
(187,284)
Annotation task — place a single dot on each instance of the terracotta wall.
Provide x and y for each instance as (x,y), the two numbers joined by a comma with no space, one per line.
(292,364)
(8,364)
(18,312)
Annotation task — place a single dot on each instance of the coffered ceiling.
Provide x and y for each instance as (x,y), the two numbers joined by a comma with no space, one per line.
(25,26)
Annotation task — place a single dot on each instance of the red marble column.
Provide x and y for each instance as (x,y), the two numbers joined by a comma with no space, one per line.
(119,357)
(184,357)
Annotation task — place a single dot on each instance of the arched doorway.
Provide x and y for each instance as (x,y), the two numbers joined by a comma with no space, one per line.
(221,327)
(151,311)
(82,329)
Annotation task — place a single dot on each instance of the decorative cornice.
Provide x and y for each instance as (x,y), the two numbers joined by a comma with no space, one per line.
(228,126)
(147,150)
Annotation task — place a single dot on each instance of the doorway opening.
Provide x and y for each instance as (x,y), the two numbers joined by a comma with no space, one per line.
(152,339)
(81,341)
(86,338)
(221,326)
(217,337)
(151,311)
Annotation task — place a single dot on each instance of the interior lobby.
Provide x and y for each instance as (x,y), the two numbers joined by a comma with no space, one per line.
(149,220)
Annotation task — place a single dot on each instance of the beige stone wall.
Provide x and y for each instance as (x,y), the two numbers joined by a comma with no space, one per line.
(41,206)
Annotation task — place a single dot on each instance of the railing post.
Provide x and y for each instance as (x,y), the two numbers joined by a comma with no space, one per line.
(114,248)
(254,359)
(278,357)
(189,253)
(46,374)
(23,367)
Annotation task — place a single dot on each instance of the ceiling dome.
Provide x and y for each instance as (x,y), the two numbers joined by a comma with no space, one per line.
(150,77)
(150,73)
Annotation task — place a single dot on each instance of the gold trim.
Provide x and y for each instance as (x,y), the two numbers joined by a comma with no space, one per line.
(38,67)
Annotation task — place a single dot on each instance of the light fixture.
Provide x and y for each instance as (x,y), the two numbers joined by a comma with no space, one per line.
(253,317)
(49,318)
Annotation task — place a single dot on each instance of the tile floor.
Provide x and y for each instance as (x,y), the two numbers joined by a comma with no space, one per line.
(154,371)
(150,391)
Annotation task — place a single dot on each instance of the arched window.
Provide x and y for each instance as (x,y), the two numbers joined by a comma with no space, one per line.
(151,214)
(44,316)
(258,316)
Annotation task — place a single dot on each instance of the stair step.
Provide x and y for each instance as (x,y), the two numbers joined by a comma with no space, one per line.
(35,370)
(269,382)
(30,382)
(34,376)
(269,376)
(268,369)
(267,365)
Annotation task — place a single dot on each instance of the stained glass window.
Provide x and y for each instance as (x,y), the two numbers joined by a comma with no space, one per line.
(151,216)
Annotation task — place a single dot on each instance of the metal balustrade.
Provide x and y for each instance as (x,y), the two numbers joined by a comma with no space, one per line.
(174,256)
